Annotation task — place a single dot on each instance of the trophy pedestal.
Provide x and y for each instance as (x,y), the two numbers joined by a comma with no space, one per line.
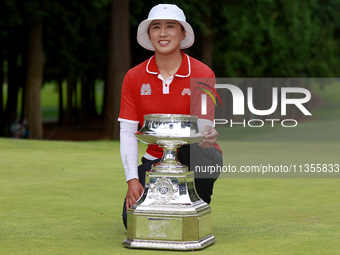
(169,215)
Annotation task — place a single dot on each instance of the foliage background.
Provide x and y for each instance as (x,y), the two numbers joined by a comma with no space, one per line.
(259,38)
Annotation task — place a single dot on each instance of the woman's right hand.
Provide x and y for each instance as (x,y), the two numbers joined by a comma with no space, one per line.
(134,192)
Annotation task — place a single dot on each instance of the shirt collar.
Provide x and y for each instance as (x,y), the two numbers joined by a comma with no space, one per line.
(183,71)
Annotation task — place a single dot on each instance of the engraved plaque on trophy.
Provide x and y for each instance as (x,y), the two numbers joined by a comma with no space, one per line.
(170,214)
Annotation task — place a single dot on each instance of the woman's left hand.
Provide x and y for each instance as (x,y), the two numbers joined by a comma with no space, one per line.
(209,137)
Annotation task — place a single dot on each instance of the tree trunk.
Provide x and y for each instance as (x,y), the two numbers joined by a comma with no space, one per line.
(69,101)
(2,122)
(118,64)
(13,89)
(35,67)
(207,42)
(60,103)
(84,99)
(87,101)
(75,111)
(92,99)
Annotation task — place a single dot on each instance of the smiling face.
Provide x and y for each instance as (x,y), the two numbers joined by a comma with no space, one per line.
(166,36)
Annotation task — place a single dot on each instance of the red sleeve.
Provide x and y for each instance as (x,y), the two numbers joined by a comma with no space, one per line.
(128,109)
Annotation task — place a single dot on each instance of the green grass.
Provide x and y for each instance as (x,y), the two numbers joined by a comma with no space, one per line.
(66,197)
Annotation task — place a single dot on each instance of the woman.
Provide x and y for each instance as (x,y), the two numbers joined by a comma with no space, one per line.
(161,84)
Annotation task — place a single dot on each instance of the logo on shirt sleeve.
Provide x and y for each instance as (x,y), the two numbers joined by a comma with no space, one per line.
(146,89)
(186,91)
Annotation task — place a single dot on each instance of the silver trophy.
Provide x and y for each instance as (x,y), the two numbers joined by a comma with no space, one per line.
(170,214)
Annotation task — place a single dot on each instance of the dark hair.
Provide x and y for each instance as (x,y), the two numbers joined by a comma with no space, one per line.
(176,20)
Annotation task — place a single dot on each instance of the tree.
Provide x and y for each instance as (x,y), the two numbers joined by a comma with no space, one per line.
(36,59)
(1,90)
(83,45)
(118,64)
(13,42)
(274,39)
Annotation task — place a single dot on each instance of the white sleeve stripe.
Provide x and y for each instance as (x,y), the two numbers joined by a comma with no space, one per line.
(126,120)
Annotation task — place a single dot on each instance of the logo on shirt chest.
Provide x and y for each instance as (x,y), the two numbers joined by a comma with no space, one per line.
(146,89)
(186,91)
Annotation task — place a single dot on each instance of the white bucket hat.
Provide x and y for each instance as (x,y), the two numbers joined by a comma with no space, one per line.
(164,12)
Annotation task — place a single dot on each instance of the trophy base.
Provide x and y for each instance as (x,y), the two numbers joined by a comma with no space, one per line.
(170,245)
(169,215)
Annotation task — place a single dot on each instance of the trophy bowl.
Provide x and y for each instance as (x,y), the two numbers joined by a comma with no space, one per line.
(169,131)
(175,128)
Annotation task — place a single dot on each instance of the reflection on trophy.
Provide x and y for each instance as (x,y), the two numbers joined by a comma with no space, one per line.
(170,214)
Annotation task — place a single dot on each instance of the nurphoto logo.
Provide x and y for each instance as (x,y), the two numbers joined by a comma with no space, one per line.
(280,99)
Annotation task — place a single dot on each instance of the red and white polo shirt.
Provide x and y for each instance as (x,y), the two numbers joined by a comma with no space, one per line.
(145,91)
